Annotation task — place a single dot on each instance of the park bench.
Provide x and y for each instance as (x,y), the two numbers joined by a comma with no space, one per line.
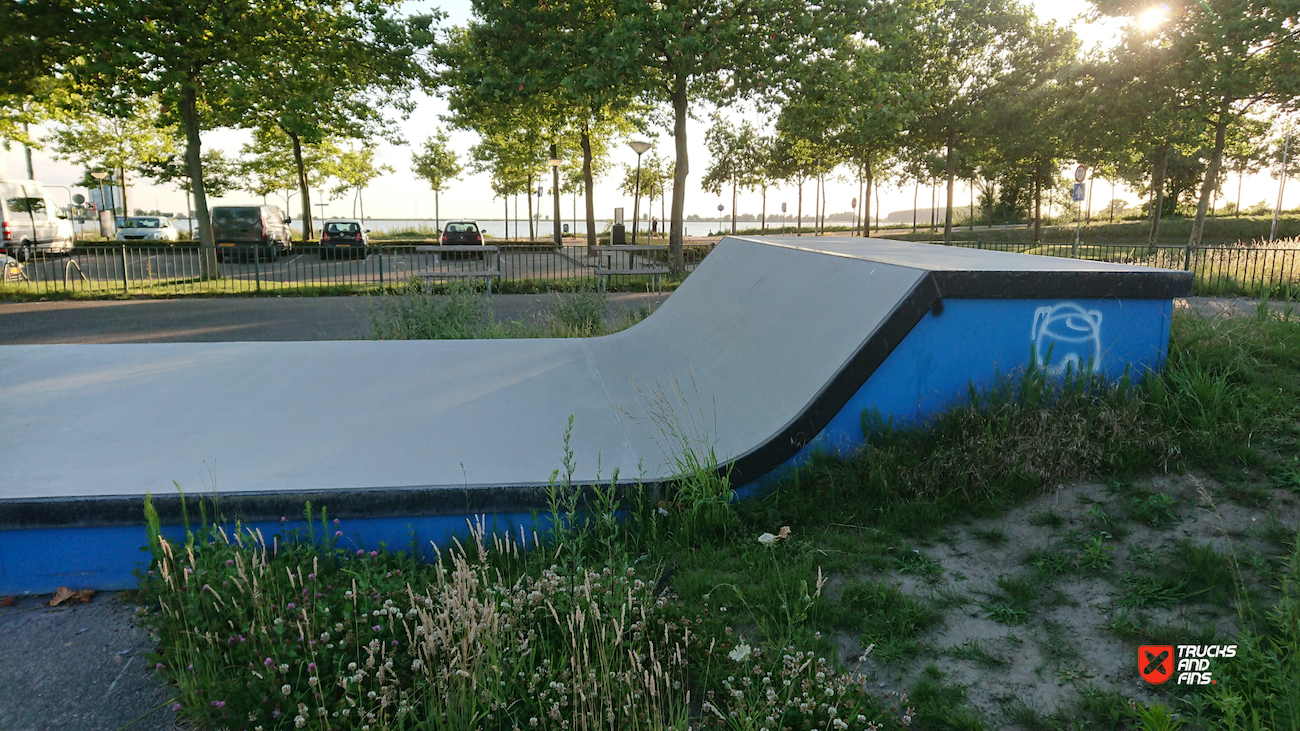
(485,272)
(623,260)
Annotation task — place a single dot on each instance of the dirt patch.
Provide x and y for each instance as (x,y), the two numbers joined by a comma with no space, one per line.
(1050,601)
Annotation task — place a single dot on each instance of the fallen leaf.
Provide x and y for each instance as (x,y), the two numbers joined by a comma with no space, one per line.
(7,601)
(65,594)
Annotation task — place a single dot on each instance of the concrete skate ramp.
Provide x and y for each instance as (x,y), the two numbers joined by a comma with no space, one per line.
(766,349)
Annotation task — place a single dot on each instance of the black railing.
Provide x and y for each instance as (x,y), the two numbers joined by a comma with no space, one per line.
(164,271)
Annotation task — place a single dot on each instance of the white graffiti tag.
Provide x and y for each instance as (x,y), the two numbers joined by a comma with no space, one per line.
(1069,336)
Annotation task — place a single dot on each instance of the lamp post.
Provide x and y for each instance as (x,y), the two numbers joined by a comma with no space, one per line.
(555,192)
(783,219)
(639,148)
(720,220)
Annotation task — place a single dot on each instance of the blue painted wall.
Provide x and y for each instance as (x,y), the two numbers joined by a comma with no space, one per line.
(969,343)
(973,342)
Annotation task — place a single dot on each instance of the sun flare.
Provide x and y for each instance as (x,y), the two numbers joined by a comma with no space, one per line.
(1152,18)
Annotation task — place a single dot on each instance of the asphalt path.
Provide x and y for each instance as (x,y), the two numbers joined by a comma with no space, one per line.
(239,319)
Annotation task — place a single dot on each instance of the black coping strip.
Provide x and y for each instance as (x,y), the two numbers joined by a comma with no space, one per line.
(416,501)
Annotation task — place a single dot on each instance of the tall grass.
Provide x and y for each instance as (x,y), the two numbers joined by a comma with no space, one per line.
(461,310)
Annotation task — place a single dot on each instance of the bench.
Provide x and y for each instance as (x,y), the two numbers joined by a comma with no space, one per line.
(651,266)
(486,273)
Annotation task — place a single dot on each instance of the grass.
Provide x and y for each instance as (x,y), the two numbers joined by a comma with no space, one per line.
(461,310)
(849,555)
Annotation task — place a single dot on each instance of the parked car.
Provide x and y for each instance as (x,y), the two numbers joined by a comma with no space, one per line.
(462,233)
(147,228)
(244,231)
(344,237)
(30,221)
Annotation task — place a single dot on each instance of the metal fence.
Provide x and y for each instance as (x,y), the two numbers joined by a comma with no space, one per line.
(180,270)
(1234,269)
(89,271)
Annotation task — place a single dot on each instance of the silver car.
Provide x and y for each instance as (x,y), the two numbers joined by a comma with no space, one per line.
(147,228)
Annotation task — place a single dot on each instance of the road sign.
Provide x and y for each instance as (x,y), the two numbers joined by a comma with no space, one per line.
(91,206)
(78,199)
(1080,173)
(1078,192)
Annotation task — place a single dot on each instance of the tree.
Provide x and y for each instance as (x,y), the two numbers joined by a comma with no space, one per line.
(1223,58)
(961,55)
(351,60)
(534,54)
(354,169)
(732,160)
(190,55)
(269,164)
(438,166)
(795,159)
(221,174)
(119,143)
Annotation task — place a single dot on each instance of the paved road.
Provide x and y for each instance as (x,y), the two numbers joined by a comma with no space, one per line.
(227,319)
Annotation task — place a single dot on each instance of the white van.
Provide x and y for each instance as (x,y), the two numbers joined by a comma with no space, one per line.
(31,222)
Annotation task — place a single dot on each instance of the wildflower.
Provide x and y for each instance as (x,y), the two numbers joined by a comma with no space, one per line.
(291,605)
(377,628)
(217,704)
(360,552)
(741,653)
(285,690)
(336,521)
(283,519)
(311,667)
(338,534)
(374,553)
(230,562)
(284,667)
(176,706)
(268,662)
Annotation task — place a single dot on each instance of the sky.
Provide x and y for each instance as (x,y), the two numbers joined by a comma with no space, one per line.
(401,195)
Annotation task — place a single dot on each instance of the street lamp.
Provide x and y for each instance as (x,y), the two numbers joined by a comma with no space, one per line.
(100,175)
(639,148)
(783,219)
(720,220)
(554,162)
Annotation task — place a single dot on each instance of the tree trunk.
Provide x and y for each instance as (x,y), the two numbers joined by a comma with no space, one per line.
(1112,201)
(675,259)
(733,206)
(817,208)
(934,205)
(1158,183)
(587,185)
(762,216)
(555,198)
(952,173)
(1088,218)
(916,191)
(194,166)
(1211,177)
(27,151)
(799,209)
(121,176)
(865,204)
(1038,203)
(972,203)
(437,212)
(307,231)
(1241,176)
(532,186)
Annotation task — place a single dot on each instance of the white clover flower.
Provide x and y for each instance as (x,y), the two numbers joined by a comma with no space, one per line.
(284,667)
(285,689)
(741,653)
(299,721)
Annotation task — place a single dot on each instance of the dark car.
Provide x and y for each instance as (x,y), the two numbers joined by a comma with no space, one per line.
(244,231)
(344,237)
(462,233)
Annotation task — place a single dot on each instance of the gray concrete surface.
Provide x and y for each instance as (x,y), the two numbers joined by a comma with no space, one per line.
(228,319)
(746,336)
(79,667)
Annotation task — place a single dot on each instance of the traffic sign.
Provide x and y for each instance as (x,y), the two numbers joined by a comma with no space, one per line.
(91,206)
(1078,192)
(1080,173)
